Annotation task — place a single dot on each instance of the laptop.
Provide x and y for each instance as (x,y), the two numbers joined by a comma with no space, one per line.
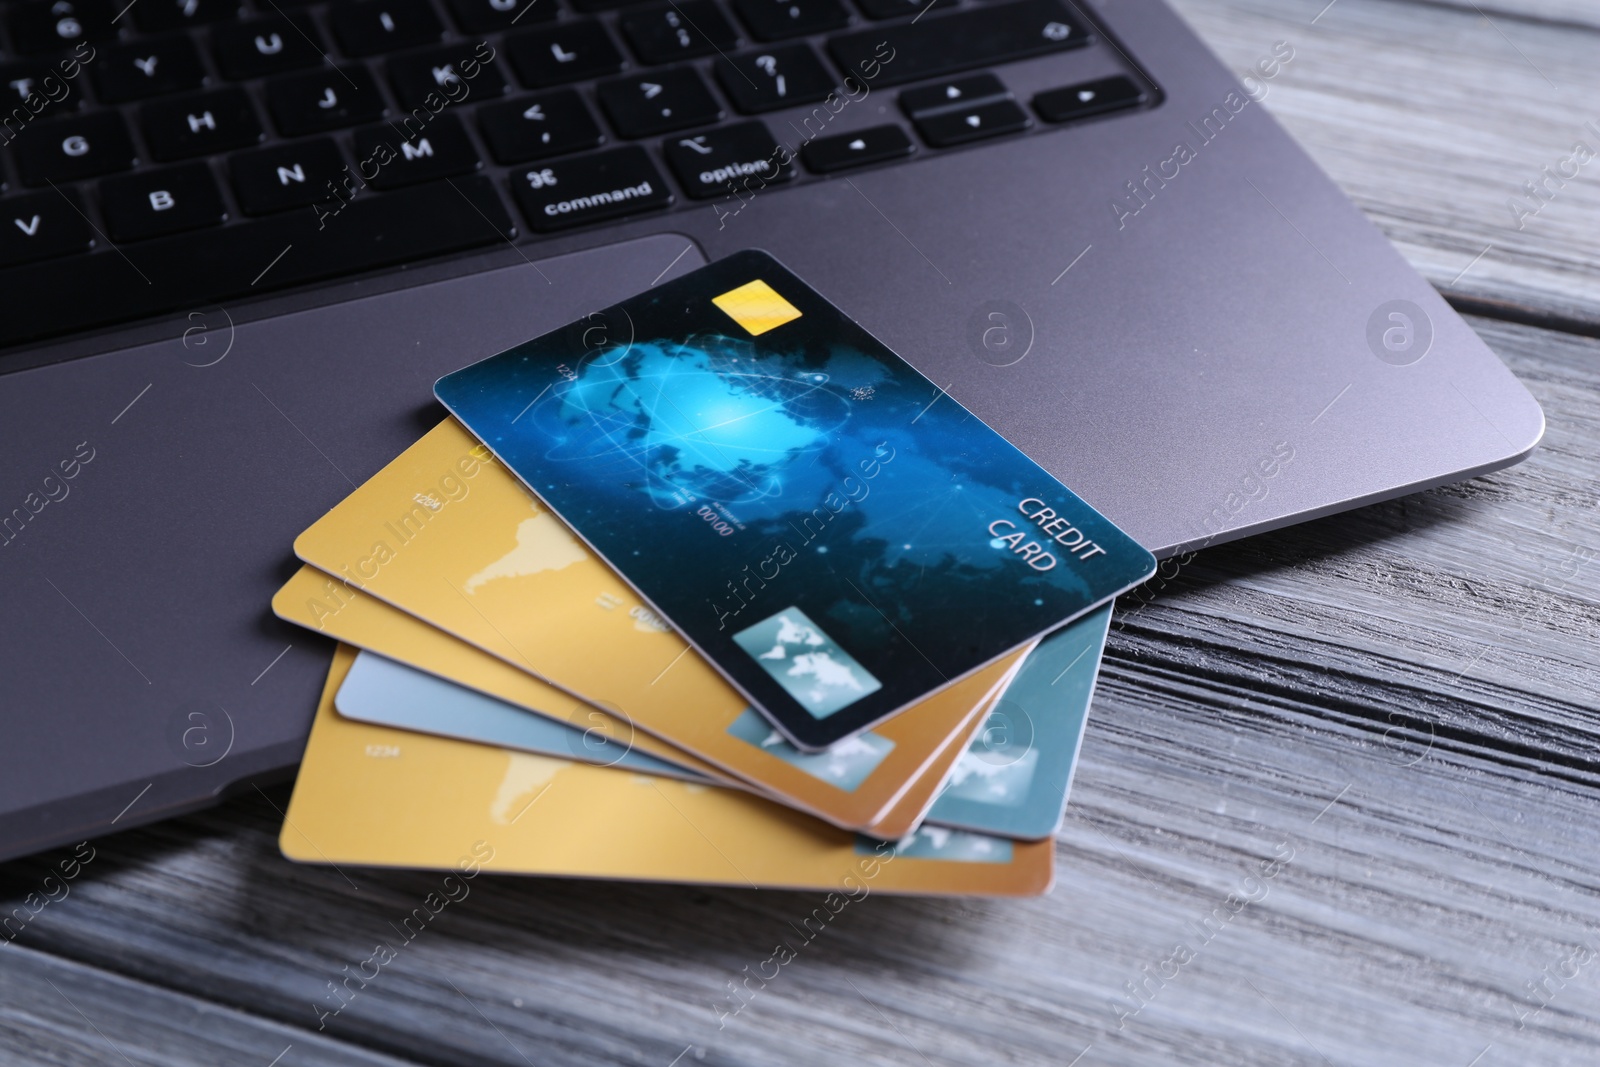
(240,239)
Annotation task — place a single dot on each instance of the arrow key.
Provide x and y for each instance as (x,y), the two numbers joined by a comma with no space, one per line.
(952,95)
(943,129)
(1088,98)
(856,148)
(537,127)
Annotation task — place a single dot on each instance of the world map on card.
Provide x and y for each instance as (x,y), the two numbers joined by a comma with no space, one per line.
(808,663)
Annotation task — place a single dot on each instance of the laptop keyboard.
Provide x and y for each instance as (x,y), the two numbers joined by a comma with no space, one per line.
(172,153)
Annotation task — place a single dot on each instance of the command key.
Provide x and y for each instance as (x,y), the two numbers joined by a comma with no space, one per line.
(573,192)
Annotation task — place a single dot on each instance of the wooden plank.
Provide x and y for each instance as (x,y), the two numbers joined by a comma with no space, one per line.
(65,1014)
(1570,12)
(1475,607)
(1432,117)
(1396,705)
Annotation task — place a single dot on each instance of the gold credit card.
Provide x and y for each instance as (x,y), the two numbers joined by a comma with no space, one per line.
(447,534)
(369,623)
(374,796)
(378,627)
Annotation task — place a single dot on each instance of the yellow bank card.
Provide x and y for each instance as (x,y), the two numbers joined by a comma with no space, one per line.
(447,534)
(372,624)
(369,623)
(373,796)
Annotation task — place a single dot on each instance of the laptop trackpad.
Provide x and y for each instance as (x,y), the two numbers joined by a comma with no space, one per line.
(138,587)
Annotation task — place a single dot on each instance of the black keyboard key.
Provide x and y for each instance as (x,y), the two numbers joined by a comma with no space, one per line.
(599,5)
(1089,98)
(856,149)
(775,20)
(959,110)
(538,127)
(677,31)
(259,47)
(149,68)
(454,73)
(79,146)
(773,78)
(324,100)
(159,202)
(952,94)
(368,27)
(287,176)
(945,44)
(893,9)
(199,125)
(21,82)
(728,160)
(570,52)
(156,16)
(204,266)
(438,150)
(486,16)
(997,117)
(572,192)
(46,26)
(658,102)
(41,226)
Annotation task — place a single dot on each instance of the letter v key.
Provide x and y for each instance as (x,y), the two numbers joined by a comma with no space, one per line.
(31,227)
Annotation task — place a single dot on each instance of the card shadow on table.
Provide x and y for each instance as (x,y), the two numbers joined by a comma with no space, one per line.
(323,912)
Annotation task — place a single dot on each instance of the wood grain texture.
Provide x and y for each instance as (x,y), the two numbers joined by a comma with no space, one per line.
(62,1013)
(1570,12)
(1475,607)
(1431,117)
(1398,705)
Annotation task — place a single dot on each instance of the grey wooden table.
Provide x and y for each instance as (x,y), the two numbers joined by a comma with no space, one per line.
(1401,703)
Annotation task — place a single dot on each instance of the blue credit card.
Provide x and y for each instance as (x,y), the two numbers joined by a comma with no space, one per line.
(1014,777)
(387,693)
(825,525)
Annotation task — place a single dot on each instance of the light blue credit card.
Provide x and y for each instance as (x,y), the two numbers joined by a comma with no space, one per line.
(1011,782)
(387,693)
(1013,779)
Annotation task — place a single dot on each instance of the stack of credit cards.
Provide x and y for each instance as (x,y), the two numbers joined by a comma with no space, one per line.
(712,587)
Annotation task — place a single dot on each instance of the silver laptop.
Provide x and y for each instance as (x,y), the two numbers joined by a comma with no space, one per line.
(238,244)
